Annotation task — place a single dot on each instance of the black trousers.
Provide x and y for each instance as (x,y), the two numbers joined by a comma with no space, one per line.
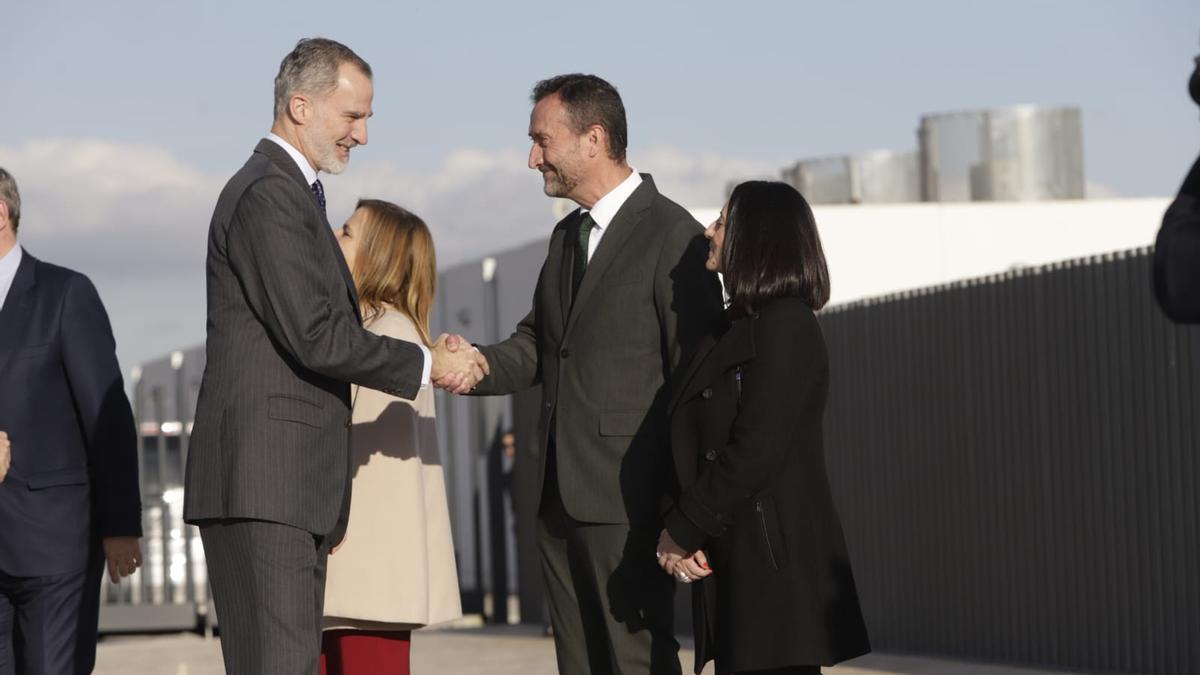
(611,606)
(48,623)
(268,585)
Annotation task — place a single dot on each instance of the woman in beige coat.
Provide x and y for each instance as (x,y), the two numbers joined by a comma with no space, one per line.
(394,570)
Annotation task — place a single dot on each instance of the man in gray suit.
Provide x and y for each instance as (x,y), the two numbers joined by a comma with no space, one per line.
(268,473)
(622,296)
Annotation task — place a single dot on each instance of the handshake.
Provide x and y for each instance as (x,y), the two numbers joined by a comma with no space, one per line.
(457,365)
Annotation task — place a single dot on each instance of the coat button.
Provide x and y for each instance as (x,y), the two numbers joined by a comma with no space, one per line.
(710,454)
(348,421)
(548,405)
(707,393)
(564,353)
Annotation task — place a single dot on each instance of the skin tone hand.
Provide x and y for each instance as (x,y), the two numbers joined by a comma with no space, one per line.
(5,455)
(124,555)
(461,379)
(677,562)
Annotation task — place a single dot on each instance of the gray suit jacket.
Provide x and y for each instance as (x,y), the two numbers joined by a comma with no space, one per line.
(285,339)
(645,301)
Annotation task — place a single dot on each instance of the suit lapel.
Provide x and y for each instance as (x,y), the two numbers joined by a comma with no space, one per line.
(14,317)
(623,225)
(715,356)
(568,265)
(284,161)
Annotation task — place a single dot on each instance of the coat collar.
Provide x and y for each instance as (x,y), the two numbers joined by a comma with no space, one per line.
(623,225)
(281,159)
(714,355)
(14,317)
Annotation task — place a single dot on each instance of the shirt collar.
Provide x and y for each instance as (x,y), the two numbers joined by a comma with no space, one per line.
(10,262)
(605,209)
(310,174)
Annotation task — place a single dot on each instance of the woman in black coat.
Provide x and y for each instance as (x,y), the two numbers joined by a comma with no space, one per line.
(754,525)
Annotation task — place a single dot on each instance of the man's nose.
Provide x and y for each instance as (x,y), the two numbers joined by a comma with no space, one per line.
(535,156)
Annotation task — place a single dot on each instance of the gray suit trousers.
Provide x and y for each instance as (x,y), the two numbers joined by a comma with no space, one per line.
(268,584)
(611,605)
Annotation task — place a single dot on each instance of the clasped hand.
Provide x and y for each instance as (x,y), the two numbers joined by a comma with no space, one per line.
(674,560)
(457,365)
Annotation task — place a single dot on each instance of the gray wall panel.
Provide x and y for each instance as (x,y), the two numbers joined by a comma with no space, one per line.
(1014,458)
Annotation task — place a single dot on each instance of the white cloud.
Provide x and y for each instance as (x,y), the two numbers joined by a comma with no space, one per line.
(135,218)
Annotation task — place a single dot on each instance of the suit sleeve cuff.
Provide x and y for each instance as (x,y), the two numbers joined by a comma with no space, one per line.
(685,533)
(428,368)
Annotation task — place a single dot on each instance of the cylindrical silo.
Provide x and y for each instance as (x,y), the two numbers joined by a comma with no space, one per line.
(1021,153)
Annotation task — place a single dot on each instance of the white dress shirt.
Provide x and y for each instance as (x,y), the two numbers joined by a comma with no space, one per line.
(310,176)
(604,210)
(8,271)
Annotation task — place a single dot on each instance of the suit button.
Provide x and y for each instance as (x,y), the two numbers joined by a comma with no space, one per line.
(348,420)
(707,393)
(564,353)
(548,405)
(710,454)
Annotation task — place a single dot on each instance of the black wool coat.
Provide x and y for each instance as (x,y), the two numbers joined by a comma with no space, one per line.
(1177,254)
(753,494)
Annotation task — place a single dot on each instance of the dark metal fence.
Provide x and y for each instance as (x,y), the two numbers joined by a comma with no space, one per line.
(1016,463)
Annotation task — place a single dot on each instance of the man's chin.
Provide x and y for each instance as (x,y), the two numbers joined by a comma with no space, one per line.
(334,167)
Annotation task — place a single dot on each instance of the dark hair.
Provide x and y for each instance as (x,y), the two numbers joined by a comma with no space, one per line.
(590,100)
(772,248)
(312,68)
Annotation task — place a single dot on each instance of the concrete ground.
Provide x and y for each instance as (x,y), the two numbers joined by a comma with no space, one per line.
(509,650)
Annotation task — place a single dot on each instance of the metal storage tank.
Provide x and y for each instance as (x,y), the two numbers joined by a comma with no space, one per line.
(1021,153)
(878,177)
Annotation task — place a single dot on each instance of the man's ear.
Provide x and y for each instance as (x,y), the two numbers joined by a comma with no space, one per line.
(299,108)
(597,139)
(4,222)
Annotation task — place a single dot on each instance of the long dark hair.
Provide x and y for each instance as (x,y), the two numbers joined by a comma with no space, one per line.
(772,248)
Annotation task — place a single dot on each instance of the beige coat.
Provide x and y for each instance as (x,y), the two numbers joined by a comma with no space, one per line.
(395,568)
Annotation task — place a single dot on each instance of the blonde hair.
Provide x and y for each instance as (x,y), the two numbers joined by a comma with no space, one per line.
(395,264)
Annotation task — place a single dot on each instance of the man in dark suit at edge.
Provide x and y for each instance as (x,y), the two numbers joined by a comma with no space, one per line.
(268,472)
(70,502)
(622,296)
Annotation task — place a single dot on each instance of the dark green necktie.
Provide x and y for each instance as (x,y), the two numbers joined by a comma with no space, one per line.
(581,252)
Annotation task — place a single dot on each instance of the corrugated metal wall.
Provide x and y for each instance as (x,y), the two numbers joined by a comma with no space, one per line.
(1016,463)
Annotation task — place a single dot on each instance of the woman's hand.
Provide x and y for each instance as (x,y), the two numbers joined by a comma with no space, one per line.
(694,567)
(677,562)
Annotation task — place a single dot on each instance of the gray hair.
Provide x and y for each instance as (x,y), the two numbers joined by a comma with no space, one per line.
(10,197)
(312,68)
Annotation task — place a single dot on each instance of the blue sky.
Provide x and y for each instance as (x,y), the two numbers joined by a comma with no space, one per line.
(121,120)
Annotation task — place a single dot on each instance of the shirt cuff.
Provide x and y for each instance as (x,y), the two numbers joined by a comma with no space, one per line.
(427,368)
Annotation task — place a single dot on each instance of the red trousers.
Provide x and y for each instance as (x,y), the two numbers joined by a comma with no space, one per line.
(363,652)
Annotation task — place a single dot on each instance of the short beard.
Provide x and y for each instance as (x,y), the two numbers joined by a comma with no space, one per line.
(558,185)
(326,158)
(329,162)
